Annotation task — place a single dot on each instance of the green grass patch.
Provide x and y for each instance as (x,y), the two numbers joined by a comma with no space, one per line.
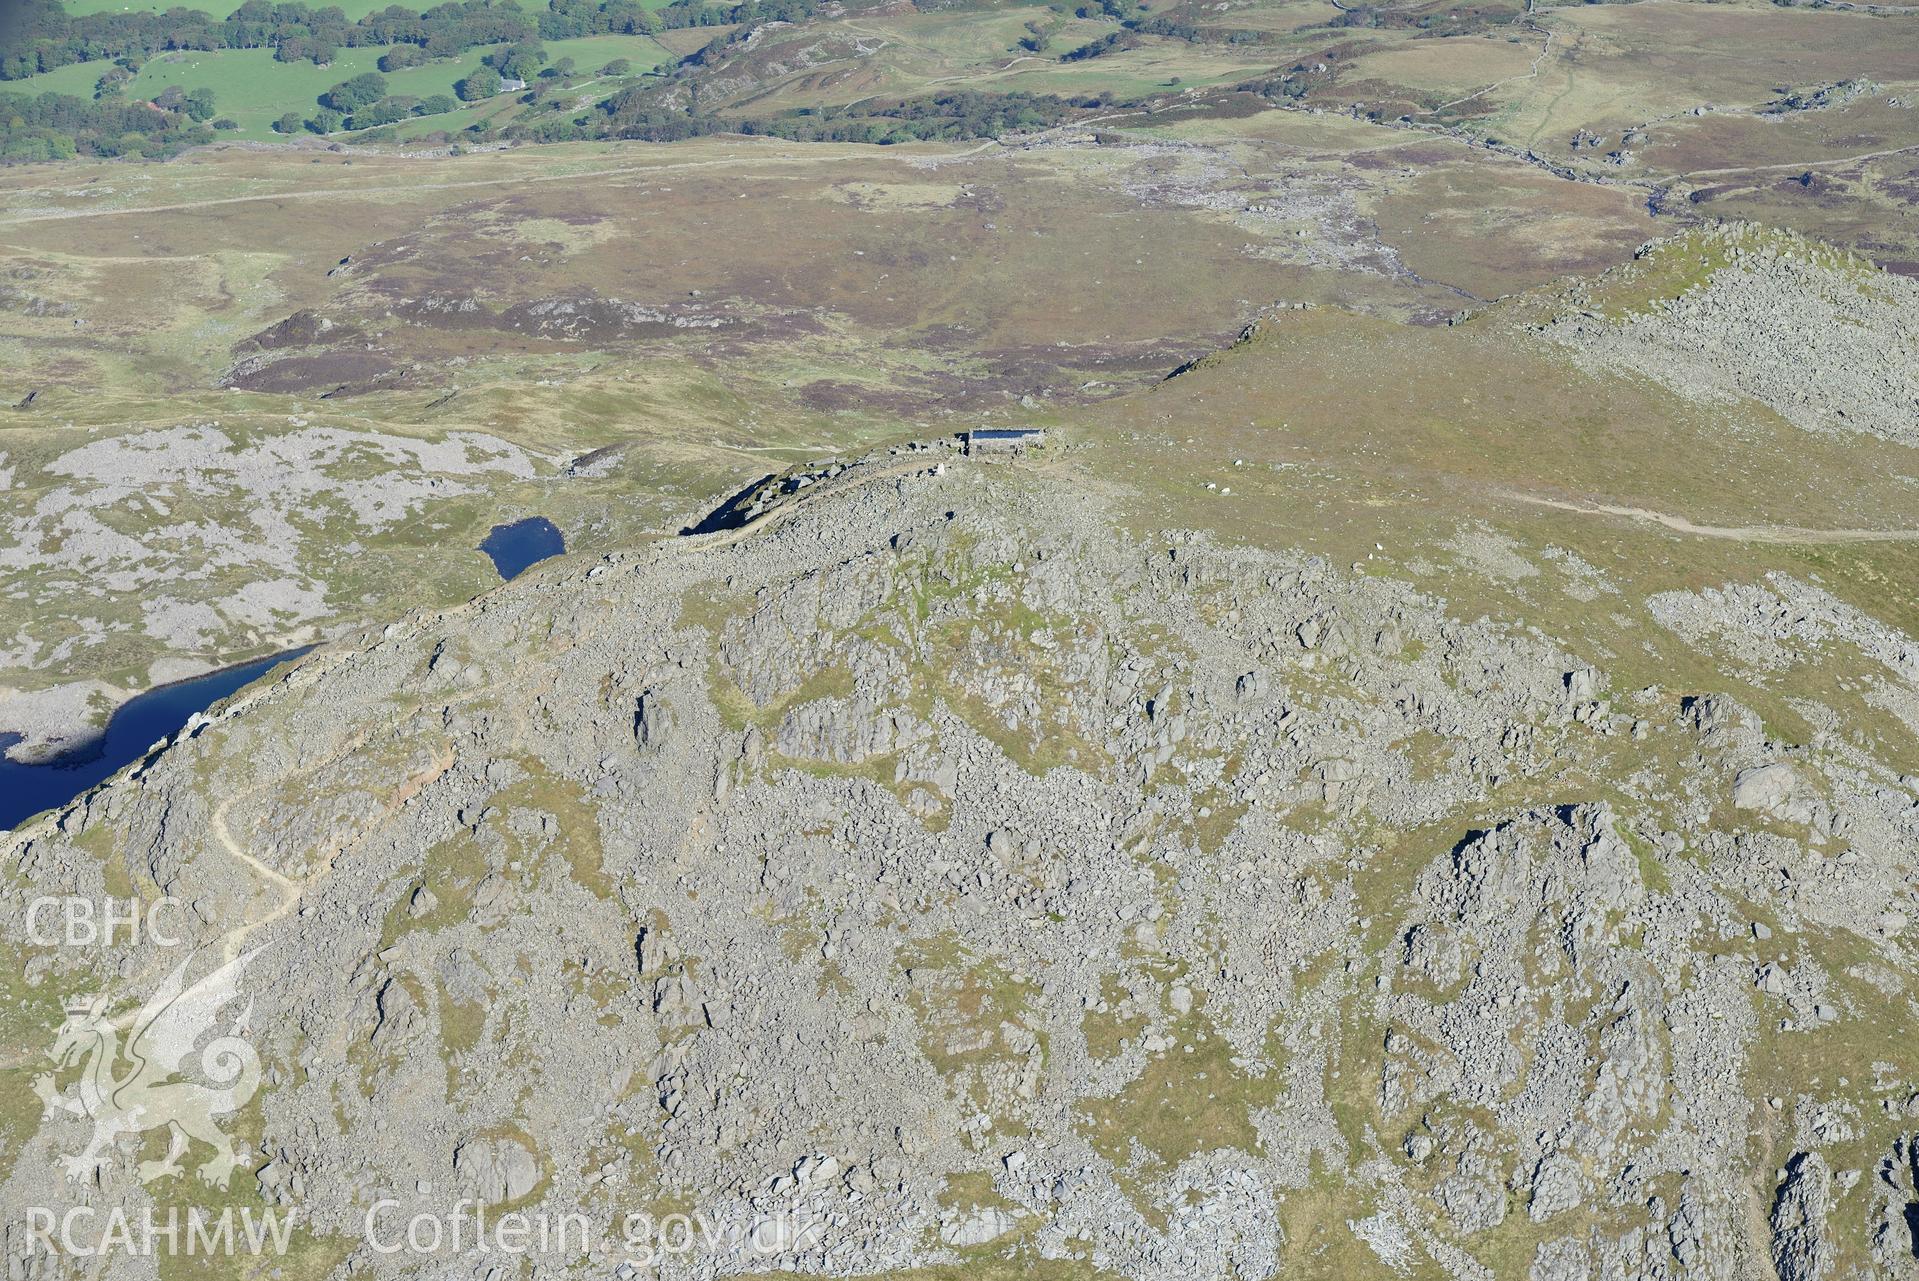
(590,53)
(1106,1031)
(962,1003)
(1188,1099)
(963,652)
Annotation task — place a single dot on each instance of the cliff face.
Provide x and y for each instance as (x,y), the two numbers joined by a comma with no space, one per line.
(934,875)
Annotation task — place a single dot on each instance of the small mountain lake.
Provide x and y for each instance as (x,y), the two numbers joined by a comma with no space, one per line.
(517,547)
(25,790)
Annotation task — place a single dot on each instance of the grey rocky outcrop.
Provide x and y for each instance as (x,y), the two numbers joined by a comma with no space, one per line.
(935,874)
(1801,1248)
(1818,336)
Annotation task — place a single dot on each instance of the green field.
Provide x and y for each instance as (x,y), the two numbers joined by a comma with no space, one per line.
(77,79)
(253,90)
(354,9)
(590,53)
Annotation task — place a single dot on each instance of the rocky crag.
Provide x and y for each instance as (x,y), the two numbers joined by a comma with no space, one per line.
(1818,335)
(934,877)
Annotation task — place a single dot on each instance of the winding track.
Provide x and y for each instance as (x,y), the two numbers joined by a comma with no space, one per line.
(1532,73)
(1788,166)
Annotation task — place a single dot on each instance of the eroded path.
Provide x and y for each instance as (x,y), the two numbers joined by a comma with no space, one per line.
(1737,533)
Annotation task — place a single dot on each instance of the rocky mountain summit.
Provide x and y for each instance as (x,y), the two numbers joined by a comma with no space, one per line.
(935,876)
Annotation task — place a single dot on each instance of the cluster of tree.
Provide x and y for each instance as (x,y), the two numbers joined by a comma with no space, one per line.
(651,124)
(349,96)
(1135,22)
(41,35)
(482,84)
(696,13)
(197,103)
(1038,37)
(400,107)
(400,57)
(1291,85)
(1181,29)
(1452,20)
(1111,43)
(520,61)
(637,113)
(959,114)
(363,103)
(58,126)
(45,36)
(570,19)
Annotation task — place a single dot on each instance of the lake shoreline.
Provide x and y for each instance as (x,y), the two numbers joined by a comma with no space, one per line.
(29,787)
(41,770)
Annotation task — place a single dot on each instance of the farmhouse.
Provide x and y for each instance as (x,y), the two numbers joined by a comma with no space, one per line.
(1003,441)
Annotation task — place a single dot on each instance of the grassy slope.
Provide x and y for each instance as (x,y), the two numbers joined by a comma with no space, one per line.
(1621,66)
(1394,451)
(1339,433)
(917,53)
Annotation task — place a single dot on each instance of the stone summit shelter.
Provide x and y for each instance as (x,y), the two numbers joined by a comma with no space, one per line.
(1003,441)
